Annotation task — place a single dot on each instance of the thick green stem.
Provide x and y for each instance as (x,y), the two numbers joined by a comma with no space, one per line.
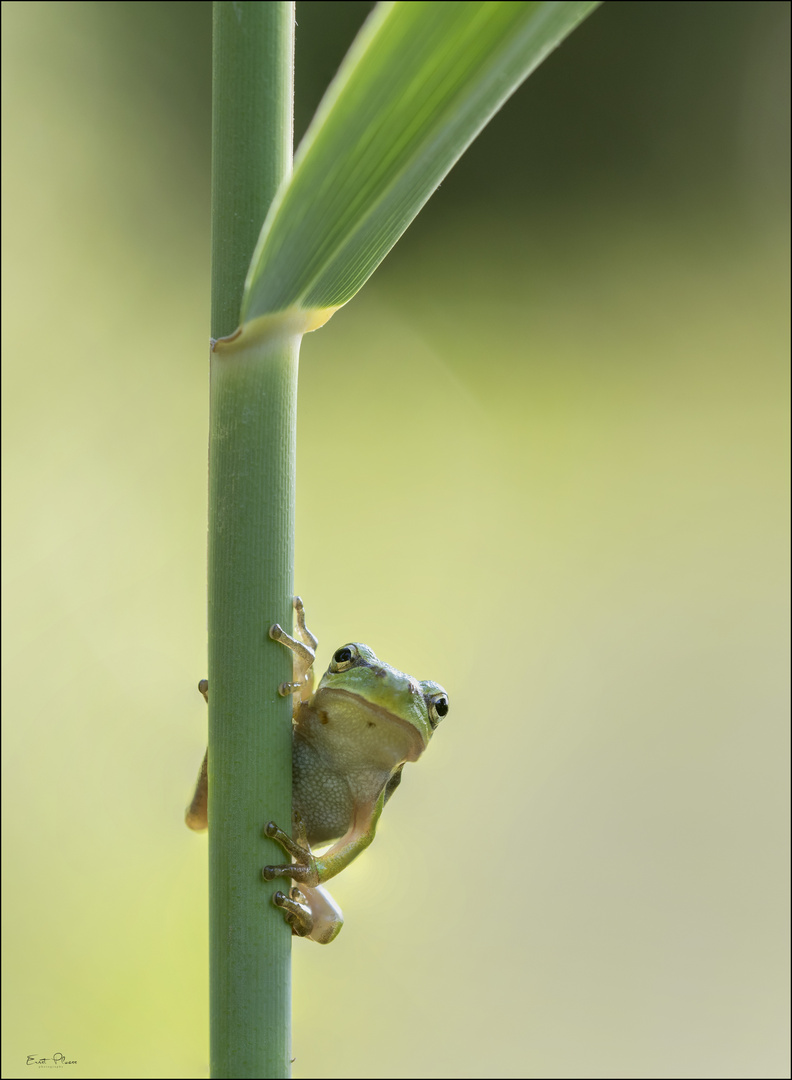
(250,586)
(251,546)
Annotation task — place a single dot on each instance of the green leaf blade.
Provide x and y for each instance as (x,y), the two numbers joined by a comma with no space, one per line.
(419,83)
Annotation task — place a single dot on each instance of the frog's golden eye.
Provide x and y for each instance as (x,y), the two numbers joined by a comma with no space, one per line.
(438,708)
(343,658)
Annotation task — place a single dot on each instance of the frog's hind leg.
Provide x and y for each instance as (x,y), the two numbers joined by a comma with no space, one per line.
(197,813)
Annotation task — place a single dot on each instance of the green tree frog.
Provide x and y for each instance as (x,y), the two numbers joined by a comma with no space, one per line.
(351,740)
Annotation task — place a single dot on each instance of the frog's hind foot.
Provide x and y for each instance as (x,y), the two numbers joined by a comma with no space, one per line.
(295,911)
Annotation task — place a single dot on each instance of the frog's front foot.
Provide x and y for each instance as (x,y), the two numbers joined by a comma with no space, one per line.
(304,869)
(303,648)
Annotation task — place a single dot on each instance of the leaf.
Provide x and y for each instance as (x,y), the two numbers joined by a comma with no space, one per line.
(419,83)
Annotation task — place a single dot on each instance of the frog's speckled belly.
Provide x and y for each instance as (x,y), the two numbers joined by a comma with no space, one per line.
(320,795)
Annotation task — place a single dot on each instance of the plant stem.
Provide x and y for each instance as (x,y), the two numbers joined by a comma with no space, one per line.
(251,546)
(252,132)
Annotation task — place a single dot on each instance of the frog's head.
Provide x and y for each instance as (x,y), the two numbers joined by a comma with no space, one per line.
(355,670)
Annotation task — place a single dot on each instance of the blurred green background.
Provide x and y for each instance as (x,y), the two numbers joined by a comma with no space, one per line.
(542,459)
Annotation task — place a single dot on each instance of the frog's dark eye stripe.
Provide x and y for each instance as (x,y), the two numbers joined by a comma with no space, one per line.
(343,658)
(438,708)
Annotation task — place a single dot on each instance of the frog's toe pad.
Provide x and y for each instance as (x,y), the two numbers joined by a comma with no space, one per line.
(270,872)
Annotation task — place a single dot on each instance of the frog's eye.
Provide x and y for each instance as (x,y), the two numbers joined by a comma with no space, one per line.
(438,708)
(343,658)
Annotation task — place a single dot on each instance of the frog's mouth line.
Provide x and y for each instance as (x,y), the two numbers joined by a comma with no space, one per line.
(384,714)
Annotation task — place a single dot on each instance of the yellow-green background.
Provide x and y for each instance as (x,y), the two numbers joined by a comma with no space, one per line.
(541,460)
